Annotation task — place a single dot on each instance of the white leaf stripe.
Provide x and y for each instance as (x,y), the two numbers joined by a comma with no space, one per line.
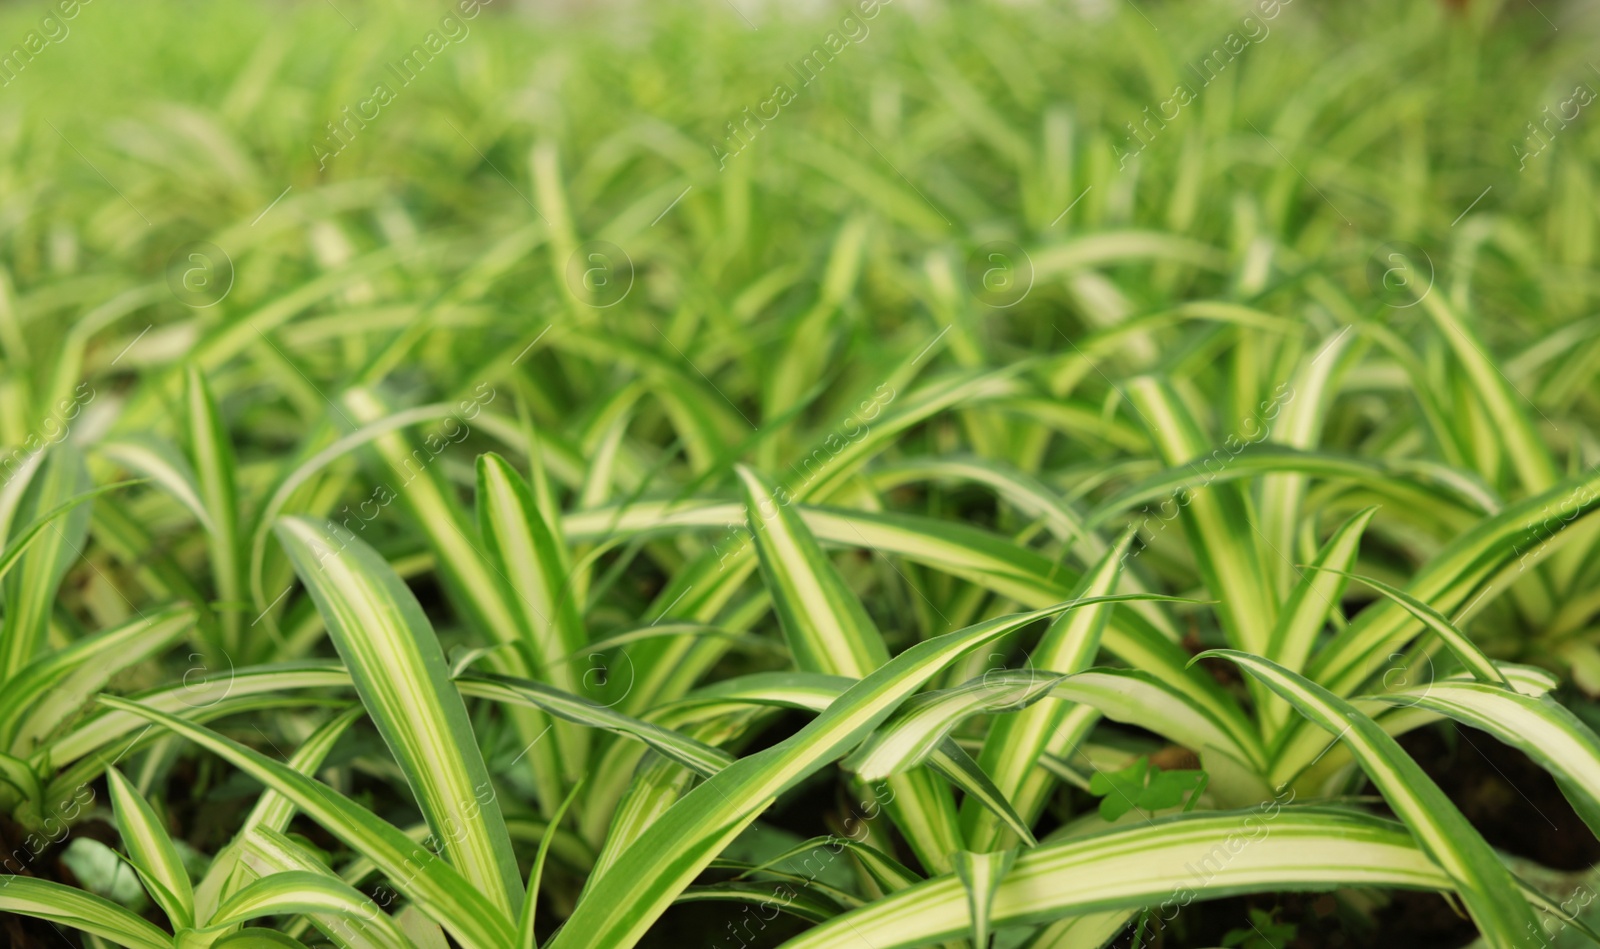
(439,889)
(826,626)
(70,906)
(980,875)
(151,851)
(806,902)
(1446,582)
(1539,727)
(164,467)
(1012,749)
(540,594)
(1014,572)
(1162,865)
(1491,897)
(672,851)
(1464,649)
(362,926)
(398,668)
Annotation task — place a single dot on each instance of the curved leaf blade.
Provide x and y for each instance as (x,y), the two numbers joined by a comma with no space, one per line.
(1486,887)
(398,668)
(434,884)
(151,851)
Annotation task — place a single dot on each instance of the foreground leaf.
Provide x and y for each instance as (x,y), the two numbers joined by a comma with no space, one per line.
(434,884)
(72,907)
(622,902)
(1163,865)
(1488,890)
(151,851)
(399,670)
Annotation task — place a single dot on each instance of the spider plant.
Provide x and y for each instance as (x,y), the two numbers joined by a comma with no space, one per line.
(619,539)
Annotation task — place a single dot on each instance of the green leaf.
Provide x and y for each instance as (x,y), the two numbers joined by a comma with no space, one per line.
(696,756)
(952,763)
(1317,594)
(1264,932)
(1165,865)
(265,853)
(920,724)
(980,874)
(1538,726)
(1143,785)
(1490,894)
(151,851)
(1217,517)
(1298,423)
(272,812)
(997,564)
(164,467)
(1528,453)
(72,907)
(399,671)
(828,631)
(82,752)
(823,621)
(30,587)
(482,596)
(1138,698)
(18,542)
(1450,578)
(799,901)
(624,900)
(1465,650)
(527,938)
(258,939)
(46,694)
(530,557)
(434,884)
(288,892)
(216,478)
(1015,742)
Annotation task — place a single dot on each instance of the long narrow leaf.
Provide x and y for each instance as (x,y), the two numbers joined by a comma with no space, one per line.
(151,851)
(1490,894)
(623,901)
(399,670)
(434,884)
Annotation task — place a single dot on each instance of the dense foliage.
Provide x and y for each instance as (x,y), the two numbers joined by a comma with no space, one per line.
(889,475)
